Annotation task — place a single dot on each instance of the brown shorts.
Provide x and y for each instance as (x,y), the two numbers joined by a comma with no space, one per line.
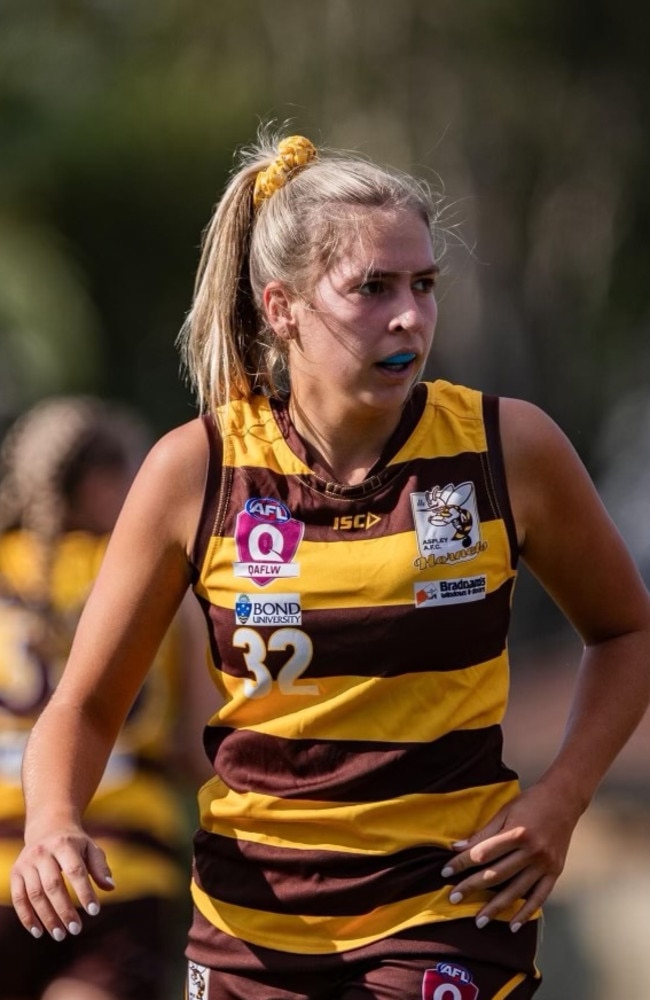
(121,950)
(425,963)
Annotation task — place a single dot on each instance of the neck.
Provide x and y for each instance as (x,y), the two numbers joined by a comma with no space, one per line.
(346,450)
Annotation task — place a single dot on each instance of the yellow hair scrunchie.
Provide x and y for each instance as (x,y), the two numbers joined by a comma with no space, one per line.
(294,153)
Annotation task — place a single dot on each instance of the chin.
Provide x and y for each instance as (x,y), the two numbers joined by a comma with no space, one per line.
(388,399)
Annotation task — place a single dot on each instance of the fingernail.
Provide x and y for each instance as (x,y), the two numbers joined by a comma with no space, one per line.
(58,934)
(92,909)
(481,922)
(447,871)
(36,932)
(460,843)
(515,927)
(455,897)
(74,927)
(109,880)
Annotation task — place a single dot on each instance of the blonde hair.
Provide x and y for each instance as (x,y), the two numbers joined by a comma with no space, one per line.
(44,455)
(227,347)
(48,450)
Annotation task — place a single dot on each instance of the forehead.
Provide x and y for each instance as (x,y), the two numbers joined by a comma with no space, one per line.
(385,240)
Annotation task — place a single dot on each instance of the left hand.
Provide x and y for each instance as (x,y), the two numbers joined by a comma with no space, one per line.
(524,845)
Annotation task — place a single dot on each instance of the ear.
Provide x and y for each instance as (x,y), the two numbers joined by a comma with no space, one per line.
(278,301)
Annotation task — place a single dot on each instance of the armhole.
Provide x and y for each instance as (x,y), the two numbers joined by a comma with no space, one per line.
(211,508)
(497,472)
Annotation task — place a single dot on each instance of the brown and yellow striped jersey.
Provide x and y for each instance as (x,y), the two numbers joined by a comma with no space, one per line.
(136,813)
(358,638)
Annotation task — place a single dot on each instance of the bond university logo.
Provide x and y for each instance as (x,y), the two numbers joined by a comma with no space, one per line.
(446,524)
(267,538)
(276,609)
(448,981)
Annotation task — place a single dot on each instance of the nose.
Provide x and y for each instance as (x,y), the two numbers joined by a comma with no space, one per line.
(408,319)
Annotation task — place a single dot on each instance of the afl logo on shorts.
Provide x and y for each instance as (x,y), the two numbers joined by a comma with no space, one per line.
(448,981)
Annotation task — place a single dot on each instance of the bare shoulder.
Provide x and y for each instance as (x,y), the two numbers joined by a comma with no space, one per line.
(182,455)
(543,468)
(564,528)
(527,432)
(145,572)
(168,490)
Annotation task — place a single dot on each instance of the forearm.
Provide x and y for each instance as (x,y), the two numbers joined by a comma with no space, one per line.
(611,696)
(63,763)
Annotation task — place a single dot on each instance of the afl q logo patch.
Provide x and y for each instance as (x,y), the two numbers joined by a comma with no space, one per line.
(267,538)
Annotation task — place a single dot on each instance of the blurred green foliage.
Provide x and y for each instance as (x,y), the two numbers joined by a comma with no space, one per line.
(118,122)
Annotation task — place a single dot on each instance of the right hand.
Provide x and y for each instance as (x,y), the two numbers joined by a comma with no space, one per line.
(39,892)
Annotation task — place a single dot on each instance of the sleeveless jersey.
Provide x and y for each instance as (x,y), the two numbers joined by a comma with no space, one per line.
(358,638)
(136,815)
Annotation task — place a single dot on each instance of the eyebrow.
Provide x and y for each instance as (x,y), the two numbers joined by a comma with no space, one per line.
(376,272)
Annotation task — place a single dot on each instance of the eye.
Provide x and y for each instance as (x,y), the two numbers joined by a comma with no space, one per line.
(373,286)
(425,285)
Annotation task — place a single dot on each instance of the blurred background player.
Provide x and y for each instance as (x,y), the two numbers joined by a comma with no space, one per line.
(65,468)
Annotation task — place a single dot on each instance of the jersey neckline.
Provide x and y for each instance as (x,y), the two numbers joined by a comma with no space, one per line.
(376,476)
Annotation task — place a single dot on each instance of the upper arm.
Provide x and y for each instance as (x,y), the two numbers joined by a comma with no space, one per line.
(144,575)
(566,536)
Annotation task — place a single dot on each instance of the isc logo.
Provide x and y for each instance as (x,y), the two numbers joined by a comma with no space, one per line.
(267,509)
(349,522)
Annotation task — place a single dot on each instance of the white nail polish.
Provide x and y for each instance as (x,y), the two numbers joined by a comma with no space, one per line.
(74,927)
(36,932)
(447,871)
(455,897)
(92,909)
(515,927)
(482,922)
(58,934)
